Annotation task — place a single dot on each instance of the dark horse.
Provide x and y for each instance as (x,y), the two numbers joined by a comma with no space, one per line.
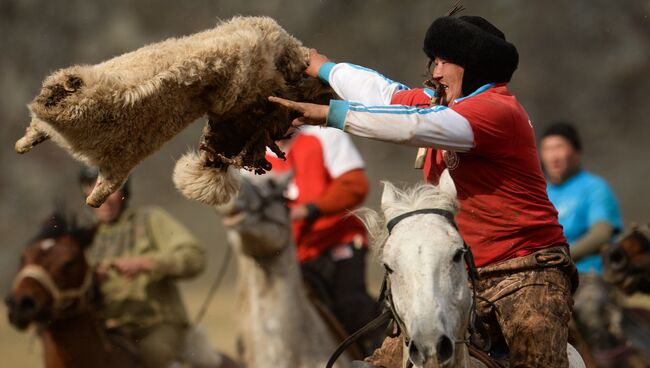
(627,263)
(627,266)
(55,290)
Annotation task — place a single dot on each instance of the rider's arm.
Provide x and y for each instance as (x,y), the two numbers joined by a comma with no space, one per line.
(603,217)
(344,193)
(590,243)
(178,253)
(343,162)
(358,84)
(437,127)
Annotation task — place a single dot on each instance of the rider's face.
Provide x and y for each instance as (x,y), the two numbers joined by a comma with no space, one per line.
(559,157)
(450,77)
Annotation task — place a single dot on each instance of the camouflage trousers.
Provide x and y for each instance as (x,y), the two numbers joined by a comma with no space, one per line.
(525,304)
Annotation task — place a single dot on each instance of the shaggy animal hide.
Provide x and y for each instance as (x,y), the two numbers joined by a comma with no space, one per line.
(114,114)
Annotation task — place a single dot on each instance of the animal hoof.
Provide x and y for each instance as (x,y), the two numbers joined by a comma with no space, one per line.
(22,146)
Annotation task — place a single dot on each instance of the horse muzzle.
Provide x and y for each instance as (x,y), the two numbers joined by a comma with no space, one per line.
(441,355)
(22,310)
(616,258)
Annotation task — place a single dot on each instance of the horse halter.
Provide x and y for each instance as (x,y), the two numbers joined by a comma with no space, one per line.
(467,255)
(61,298)
(449,216)
(264,202)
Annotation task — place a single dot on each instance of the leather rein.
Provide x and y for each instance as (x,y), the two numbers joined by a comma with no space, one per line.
(396,326)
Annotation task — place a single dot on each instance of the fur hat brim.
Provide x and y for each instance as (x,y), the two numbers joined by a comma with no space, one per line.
(475,44)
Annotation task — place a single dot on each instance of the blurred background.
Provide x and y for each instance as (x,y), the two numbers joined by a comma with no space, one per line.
(585,61)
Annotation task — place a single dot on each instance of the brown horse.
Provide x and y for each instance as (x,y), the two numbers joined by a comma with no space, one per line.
(627,263)
(627,266)
(55,290)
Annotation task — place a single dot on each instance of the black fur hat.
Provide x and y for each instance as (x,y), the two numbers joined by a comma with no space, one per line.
(475,44)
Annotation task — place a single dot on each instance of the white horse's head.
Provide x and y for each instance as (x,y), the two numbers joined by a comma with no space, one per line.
(259,216)
(424,259)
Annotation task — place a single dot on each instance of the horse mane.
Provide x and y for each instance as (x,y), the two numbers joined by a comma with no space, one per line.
(61,223)
(55,226)
(417,197)
(643,230)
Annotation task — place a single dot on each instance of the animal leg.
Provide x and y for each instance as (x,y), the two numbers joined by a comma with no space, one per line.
(104,187)
(32,137)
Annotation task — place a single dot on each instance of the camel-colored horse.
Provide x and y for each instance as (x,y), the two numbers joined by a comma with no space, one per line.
(279,326)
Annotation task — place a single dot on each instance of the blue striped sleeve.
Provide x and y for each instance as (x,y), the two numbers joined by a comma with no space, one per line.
(337,113)
(325,70)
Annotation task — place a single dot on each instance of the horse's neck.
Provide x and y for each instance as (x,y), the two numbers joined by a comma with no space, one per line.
(280,327)
(77,341)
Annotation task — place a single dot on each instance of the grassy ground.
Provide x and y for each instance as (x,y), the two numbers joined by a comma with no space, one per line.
(23,350)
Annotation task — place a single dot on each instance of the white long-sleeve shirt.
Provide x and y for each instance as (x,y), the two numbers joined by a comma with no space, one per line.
(366,111)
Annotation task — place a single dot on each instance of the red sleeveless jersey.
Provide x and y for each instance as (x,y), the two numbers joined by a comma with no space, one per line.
(504,208)
(315,158)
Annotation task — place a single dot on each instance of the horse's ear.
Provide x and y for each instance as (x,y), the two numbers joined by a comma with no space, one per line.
(389,195)
(446,184)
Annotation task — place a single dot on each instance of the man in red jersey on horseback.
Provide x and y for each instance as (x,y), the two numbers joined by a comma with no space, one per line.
(472,125)
(328,180)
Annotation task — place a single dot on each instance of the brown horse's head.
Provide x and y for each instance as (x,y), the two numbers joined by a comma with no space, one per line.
(627,263)
(54,276)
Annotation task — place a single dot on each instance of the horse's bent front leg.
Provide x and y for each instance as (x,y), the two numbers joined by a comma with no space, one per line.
(32,137)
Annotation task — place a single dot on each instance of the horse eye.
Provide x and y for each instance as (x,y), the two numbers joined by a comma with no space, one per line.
(458,255)
(69,264)
(388,269)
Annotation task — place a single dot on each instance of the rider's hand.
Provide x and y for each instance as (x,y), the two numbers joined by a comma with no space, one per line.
(309,212)
(101,271)
(130,267)
(312,114)
(316,60)
(298,212)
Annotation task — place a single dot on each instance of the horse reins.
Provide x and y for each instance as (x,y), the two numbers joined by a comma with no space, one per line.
(61,298)
(385,295)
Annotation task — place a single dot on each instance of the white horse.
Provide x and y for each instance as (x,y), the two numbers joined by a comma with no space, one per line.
(279,326)
(426,273)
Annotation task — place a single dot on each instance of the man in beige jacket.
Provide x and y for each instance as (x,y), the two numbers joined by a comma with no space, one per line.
(139,255)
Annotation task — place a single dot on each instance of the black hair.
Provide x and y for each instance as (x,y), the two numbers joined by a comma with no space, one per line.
(565,130)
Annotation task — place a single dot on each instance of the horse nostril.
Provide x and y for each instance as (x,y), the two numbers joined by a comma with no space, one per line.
(415,355)
(26,304)
(617,259)
(445,349)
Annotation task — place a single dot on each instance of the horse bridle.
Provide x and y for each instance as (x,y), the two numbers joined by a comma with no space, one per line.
(62,299)
(265,201)
(385,295)
(449,216)
(467,255)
